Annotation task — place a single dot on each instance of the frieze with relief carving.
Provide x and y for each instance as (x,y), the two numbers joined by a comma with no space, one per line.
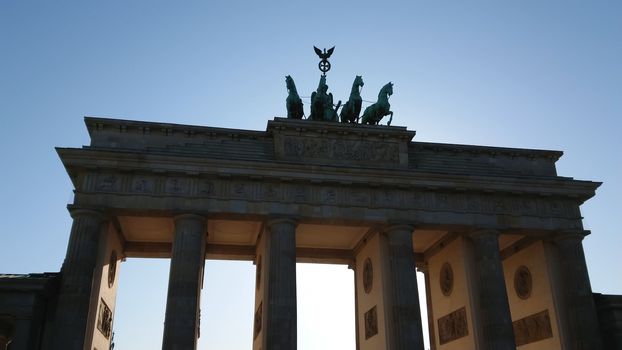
(340,149)
(350,195)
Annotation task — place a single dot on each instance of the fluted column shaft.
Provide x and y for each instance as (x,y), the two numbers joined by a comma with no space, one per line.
(402,297)
(181,323)
(23,335)
(582,331)
(5,335)
(280,300)
(494,309)
(77,279)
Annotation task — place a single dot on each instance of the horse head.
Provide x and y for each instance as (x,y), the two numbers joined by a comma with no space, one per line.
(386,90)
(358,81)
(289,83)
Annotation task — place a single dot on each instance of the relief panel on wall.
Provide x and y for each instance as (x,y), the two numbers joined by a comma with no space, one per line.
(453,326)
(371,323)
(533,328)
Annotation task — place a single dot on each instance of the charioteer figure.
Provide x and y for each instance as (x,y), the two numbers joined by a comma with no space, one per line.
(322,103)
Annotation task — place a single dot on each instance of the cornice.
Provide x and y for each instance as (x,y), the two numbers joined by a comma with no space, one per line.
(131,161)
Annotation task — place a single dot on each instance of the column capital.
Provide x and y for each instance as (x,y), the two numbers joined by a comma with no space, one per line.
(77,212)
(189,216)
(271,221)
(399,226)
(483,233)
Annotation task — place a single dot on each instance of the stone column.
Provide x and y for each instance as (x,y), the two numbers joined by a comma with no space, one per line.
(581,320)
(428,297)
(280,285)
(496,332)
(402,296)
(181,322)
(5,334)
(77,279)
(23,337)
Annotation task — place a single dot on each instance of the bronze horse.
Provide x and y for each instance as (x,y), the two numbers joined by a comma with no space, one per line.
(293,101)
(374,113)
(351,110)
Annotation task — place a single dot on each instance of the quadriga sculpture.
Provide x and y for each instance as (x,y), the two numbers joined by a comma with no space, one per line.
(351,110)
(322,103)
(374,113)
(293,101)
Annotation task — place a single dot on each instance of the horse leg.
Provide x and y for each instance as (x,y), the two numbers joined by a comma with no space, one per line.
(390,118)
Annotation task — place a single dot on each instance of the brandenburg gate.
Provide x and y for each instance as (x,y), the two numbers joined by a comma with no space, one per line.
(497,233)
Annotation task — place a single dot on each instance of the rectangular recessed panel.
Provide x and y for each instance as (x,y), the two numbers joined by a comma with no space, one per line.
(532,328)
(232,232)
(453,326)
(328,236)
(147,228)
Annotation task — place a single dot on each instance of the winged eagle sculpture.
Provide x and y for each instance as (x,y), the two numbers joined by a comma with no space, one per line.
(324,65)
(324,55)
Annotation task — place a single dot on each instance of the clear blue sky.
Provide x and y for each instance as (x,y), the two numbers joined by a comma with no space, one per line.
(527,74)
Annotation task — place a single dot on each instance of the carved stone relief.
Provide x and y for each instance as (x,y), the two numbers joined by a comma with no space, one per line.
(385,198)
(299,193)
(176,186)
(349,195)
(241,190)
(453,326)
(523,282)
(368,276)
(359,196)
(108,183)
(258,321)
(207,188)
(328,195)
(338,149)
(142,184)
(532,328)
(446,279)
(112,268)
(371,323)
(104,319)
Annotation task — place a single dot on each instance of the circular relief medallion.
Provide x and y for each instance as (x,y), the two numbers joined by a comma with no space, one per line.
(368,275)
(112,268)
(522,282)
(447,279)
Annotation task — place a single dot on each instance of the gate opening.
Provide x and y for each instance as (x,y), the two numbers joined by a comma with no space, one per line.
(325,302)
